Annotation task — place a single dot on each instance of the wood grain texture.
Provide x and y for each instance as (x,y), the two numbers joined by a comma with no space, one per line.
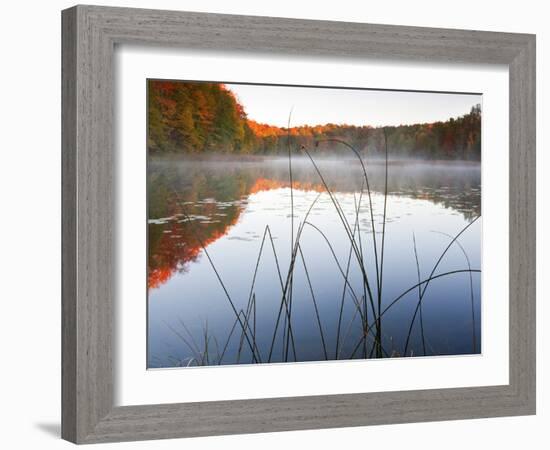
(68,225)
(89,36)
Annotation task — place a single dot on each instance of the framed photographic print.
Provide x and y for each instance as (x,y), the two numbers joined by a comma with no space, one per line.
(228,176)
(279,224)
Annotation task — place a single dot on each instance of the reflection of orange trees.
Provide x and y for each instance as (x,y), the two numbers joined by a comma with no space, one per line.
(266,184)
(159,276)
(178,246)
(172,245)
(173,248)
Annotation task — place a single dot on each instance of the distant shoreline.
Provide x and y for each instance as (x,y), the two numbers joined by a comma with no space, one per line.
(194,118)
(233,158)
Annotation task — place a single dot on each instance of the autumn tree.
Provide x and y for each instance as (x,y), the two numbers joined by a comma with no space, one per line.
(196,118)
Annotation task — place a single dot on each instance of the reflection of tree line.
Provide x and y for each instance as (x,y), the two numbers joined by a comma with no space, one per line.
(213,195)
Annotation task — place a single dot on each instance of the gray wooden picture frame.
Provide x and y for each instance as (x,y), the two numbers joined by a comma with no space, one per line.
(90,34)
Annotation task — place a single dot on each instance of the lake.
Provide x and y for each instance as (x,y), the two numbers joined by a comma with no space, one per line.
(224,289)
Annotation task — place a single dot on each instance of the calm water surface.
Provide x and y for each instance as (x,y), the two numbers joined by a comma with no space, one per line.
(208,217)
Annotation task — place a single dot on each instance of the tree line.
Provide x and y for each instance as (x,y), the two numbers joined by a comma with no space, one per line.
(195,118)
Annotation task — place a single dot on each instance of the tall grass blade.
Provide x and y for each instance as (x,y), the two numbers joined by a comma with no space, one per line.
(436,265)
(472,303)
(420,296)
(219,278)
(314,303)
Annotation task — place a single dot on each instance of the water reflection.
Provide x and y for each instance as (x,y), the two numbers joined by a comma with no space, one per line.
(214,195)
(215,270)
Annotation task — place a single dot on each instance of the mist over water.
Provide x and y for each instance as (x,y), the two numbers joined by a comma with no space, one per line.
(224,206)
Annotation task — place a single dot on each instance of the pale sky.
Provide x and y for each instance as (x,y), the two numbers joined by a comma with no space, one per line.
(318,106)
